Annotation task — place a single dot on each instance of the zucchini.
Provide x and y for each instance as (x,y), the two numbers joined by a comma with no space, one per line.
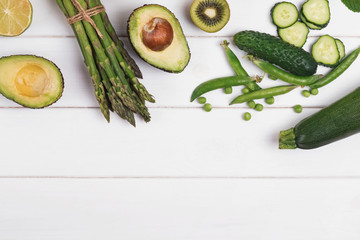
(316,12)
(284,14)
(341,48)
(310,25)
(337,121)
(296,34)
(325,51)
(276,51)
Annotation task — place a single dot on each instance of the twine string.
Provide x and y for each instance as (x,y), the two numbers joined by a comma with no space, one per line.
(86,15)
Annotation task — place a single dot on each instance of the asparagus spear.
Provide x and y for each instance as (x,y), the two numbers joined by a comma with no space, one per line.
(85,47)
(119,44)
(108,43)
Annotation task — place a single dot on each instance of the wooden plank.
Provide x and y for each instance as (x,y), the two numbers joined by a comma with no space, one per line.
(178,142)
(55,209)
(49,20)
(171,90)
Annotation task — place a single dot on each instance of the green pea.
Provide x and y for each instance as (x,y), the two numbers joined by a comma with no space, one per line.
(251,104)
(228,90)
(247,116)
(259,107)
(272,77)
(207,107)
(245,90)
(201,100)
(298,108)
(314,91)
(270,100)
(306,93)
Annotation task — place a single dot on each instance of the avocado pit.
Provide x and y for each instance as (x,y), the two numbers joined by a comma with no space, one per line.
(31,80)
(157,34)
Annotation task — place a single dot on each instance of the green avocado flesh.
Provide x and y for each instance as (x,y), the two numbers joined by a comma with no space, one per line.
(157,37)
(30,81)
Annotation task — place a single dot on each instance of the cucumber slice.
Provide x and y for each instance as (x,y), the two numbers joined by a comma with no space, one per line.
(317,12)
(310,25)
(325,51)
(284,14)
(341,48)
(296,34)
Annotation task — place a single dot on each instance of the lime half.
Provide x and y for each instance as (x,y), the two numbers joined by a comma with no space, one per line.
(15,17)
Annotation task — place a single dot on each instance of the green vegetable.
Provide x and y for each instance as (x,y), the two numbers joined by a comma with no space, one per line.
(306,93)
(228,90)
(218,83)
(325,51)
(201,100)
(310,25)
(283,75)
(263,93)
(276,51)
(314,91)
(116,85)
(207,107)
(296,34)
(341,48)
(272,77)
(259,107)
(335,122)
(284,14)
(237,67)
(251,104)
(353,5)
(245,90)
(336,72)
(316,12)
(298,108)
(270,100)
(247,116)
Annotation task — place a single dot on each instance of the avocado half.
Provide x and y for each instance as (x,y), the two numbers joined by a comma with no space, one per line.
(30,81)
(157,37)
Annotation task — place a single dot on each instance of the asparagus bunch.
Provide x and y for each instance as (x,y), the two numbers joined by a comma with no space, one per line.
(113,72)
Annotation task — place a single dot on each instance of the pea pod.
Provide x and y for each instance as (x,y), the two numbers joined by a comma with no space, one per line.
(336,72)
(237,67)
(283,75)
(218,83)
(263,93)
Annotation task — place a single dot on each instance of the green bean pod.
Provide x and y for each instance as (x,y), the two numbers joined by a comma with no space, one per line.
(336,72)
(237,67)
(283,75)
(263,93)
(218,83)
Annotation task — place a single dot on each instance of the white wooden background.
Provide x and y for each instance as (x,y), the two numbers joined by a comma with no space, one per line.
(67,174)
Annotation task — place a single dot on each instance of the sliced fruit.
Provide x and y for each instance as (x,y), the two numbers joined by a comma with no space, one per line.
(325,51)
(15,17)
(31,81)
(341,47)
(316,12)
(296,34)
(157,37)
(210,15)
(310,25)
(284,14)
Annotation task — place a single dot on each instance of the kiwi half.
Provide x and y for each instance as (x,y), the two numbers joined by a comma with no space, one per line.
(210,15)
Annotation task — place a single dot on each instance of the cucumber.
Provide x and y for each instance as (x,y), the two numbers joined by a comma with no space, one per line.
(341,48)
(284,14)
(325,51)
(316,12)
(310,25)
(276,51)
(296,34)
(335,122)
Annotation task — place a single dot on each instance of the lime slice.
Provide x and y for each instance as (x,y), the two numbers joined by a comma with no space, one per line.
(15,17)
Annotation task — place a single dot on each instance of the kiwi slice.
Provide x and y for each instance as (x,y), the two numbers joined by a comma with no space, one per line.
(210,15)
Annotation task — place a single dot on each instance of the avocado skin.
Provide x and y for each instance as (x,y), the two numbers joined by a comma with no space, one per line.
(133,47)
(44,59)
